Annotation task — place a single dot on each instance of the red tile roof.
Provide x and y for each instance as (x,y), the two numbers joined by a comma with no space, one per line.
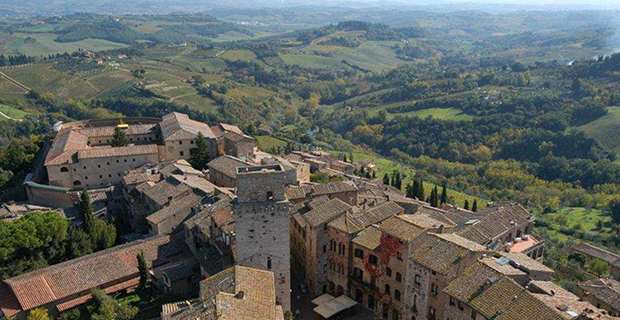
(60,281)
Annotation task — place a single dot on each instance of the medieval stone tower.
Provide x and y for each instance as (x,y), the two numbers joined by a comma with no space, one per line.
(262,221)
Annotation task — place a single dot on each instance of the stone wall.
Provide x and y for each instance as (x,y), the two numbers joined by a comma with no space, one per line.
(48,196)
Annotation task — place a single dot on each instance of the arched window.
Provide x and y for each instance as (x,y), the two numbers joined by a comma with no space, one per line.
(64,169)
(388,272)
(77,183)
(371,302)
(399,277)
(397,295)
(395,315)
(387,289)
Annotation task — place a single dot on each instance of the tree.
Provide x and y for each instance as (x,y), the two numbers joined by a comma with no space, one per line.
(107,308)
(474,207)
(386,179)
(434,199)
(119,139)
(466,205)
(344,157)
(614,207)
(86,213)
(444,195)
(79,242)
(421,191)
(200,155)
(143,269)
(103,235)
(39,314)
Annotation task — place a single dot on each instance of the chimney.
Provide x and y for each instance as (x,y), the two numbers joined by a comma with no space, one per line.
(240,295)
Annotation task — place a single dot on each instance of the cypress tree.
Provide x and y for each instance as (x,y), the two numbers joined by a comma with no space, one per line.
(386,180)
(86,213)
(474,207)
(444,195)
(200,155)
(120,138)
(435,197)
(374,175)
(143,269)
(466,205)
(421,192)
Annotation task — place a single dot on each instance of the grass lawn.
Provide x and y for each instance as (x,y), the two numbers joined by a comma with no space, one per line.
(605,129)
(388,166)
(437,113)
(11,112)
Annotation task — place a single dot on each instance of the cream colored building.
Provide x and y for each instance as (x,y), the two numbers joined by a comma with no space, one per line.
(81,156)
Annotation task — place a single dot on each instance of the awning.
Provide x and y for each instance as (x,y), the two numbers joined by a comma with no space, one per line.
(334,306)
(322,299)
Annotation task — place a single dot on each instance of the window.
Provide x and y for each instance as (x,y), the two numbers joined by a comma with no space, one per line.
(125,160)
(64,169)
(397,295)
(182,153)
(269,263)
(387,289)
(98,166)
(417,279)
(388,271)
(100,177)
(325,226)
(325,268)
(77,183)
(358,274)
(110,175)
(399,255)
(191,142)
(269,193)
(474,314)
(108,163)
(134,160)
(432,312)
(359,253)
(84,167)
(461,305)
(324,248)
(180,142)
(373,259)
(434,289)
(399,277)
(452,301)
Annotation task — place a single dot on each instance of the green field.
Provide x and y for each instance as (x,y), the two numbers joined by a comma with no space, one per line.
(45,44)
(310,61)
(45,79)
(11,112)
(388,166)
(581,219)
(438,113)
(234,55)
(606,130)
(267,143)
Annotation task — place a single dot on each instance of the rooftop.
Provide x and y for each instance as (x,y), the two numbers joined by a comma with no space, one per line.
(495,221)
(442,252)
(306,191)
(352,223)
(178,126)
(370,238)
(227,165)
(326,212)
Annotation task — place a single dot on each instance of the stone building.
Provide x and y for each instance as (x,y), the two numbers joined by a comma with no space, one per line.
(309,240)
(340,234)
(262,216)
(345,191)
(68,285)
(438,259)
(238,293)
(81,155)
(223,170)
(603,293)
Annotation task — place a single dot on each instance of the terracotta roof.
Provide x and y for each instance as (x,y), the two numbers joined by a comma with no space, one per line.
(227,165)
(179,167)
(599,253)
(137,178)
(551,289)
(237,137)
(223,216)
(527,262)
(369,238)
(401,229)
(118,151)
(132,129)
(502,266)
(196,183)
(66,143)
(179,206)
(606,290)
(326,212)
(564,305)
(470,282)
(165,190)
(441,252)
(178,126)
(355,222)
(495,221)
(307,191)
(526,306)
(63,280)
